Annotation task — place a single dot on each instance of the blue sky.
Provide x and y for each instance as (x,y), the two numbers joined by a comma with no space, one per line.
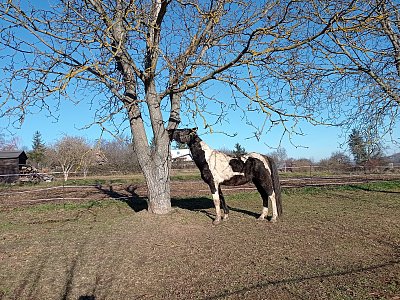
(317,143)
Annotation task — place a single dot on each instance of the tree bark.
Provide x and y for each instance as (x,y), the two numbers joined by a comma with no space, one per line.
(156,170)
(158,184)
(155,163)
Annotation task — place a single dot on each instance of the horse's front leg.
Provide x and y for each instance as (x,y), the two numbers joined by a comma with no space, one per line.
(216,200)
(223,203)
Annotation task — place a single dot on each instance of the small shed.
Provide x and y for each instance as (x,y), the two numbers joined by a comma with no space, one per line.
(10,162)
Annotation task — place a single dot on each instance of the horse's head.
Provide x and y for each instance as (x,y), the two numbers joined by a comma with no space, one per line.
(184,136)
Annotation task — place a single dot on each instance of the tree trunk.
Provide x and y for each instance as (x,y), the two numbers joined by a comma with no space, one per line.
(156,171)
(158,185)
(65,173)
(155,163)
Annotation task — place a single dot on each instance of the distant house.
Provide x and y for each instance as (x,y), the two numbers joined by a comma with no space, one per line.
(181,154)
(10,162)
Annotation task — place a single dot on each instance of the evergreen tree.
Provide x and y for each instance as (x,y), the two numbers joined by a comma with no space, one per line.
(365,148)
(357,147)
(38,150)
(180,145)
(239,150)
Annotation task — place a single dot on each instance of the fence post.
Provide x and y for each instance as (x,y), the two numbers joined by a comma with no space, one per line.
(63,191)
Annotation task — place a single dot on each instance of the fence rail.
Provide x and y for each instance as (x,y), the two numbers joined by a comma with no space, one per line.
(306,171)
(11,197)
(309,169)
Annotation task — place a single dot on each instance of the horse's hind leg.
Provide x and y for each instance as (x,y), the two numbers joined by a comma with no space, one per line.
(267,192)
(274,209)
(264,196)
(223,203)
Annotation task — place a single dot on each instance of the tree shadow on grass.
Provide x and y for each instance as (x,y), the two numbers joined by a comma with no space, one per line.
(193,204)
(197,204)
(132,199)
(245,212)
(203,205)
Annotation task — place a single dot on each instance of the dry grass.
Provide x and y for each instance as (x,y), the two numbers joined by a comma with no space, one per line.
(330,244)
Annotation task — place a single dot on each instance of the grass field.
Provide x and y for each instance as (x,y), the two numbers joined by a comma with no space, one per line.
(331,243)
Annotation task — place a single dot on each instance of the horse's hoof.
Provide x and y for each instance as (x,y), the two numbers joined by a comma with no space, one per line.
(216,222)
(274,220)
(261,218)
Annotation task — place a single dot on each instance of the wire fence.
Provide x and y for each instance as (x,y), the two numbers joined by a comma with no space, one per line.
(125,190)
(312,170)
(66,193)
(305,171)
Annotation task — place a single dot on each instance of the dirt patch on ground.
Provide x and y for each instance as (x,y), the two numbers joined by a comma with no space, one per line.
(330,244)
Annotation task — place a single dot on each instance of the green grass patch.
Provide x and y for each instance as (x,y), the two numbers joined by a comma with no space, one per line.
(380,186)
(122,179)
(186,177)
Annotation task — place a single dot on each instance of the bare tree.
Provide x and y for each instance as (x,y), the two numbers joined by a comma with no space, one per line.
(8,144)
(70,153)
(141,58)
(89,160)
(119,156)
(337,162)
(280,157)
(354,69)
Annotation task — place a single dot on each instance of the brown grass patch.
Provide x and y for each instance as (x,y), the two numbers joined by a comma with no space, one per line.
(330,244)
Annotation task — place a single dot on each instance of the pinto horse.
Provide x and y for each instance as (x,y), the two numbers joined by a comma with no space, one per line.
(218,169)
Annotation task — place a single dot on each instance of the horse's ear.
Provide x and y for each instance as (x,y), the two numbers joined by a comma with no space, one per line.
(194,129)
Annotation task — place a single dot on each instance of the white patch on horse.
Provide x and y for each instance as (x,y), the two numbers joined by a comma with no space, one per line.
(217,207)
(274,209)
(219,164)
(264,213)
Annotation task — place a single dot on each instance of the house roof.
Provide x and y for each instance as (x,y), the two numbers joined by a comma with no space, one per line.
(12,154)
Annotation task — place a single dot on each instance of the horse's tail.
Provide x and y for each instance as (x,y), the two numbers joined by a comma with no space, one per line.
(276,185)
